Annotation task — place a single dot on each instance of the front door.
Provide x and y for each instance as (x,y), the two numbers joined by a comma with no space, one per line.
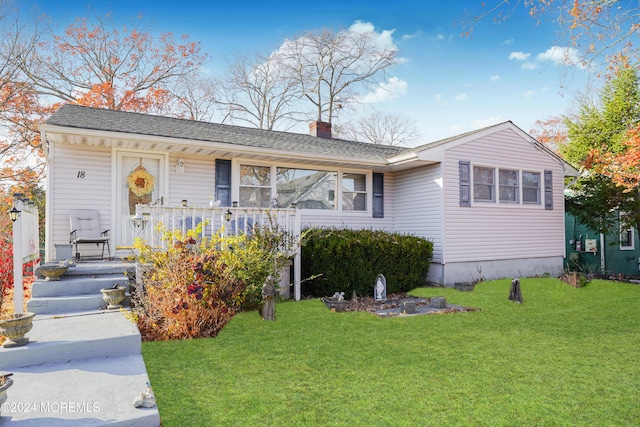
(140,179)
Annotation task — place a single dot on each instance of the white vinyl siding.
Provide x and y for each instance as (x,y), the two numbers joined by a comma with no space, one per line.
(81,179)
(419,205)
(196,184)
(492,231)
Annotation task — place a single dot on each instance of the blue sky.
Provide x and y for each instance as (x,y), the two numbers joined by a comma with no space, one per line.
(447,84)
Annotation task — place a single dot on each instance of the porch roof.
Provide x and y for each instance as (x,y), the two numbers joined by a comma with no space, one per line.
(74,124)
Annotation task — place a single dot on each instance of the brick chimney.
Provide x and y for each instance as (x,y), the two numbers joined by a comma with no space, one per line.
(320,129)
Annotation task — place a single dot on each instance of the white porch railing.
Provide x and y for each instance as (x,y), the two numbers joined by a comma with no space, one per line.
(231,221)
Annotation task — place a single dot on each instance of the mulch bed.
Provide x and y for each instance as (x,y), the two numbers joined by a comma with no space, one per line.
(392,306)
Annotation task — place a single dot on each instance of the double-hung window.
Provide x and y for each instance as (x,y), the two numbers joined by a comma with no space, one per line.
(484,189)
(531,187)
(354,192)
(255,186)
(509,186)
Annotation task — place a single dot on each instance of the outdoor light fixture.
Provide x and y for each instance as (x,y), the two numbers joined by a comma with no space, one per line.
(234,204)
(294,205)
(180,166)
(137,220)
(184,203)
(14,214)
(227,215)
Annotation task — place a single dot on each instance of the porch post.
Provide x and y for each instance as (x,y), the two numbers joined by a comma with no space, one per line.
(297,261)
(297,264)
(18,297)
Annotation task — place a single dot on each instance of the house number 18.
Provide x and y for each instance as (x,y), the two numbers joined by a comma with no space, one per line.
(80,174)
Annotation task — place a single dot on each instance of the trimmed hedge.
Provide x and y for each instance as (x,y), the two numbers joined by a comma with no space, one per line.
(350,260)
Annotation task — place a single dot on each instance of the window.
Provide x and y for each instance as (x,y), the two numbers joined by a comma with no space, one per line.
(308,189)
(626,235)
(513,186)
(531,187)
(483,184)
(255,186)
(354,192)
(509,186)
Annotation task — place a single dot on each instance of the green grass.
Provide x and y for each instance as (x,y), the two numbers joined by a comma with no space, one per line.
(565,357)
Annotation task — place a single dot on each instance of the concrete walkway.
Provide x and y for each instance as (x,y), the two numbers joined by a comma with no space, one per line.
(80,367)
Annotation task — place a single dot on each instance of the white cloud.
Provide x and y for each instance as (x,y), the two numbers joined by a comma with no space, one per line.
(561,56)
(461,97)
(529,66)
(411,36)
(495,78)
(383,39)
(519,56)
(440,36)
(483,123)
(393,88)
(530,93)
(438,96)
(507,42)
(455,129)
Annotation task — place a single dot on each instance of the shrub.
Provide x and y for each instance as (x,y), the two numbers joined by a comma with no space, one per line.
(343,260)
(188,292)
(193,288)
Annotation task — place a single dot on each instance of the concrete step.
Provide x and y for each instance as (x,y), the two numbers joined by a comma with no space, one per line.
(95,392)
(75,285)
(59,339)
(70,304)
(90,268)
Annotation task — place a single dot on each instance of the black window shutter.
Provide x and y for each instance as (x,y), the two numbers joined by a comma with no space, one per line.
(223,182)
(378,195)
(465,183)
(548,190)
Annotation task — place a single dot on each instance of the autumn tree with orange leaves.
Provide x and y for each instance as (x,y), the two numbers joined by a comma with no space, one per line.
(100,65)
(602,141)
(20,162)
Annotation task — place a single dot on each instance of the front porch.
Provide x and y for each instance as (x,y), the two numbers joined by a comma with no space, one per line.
(151,222)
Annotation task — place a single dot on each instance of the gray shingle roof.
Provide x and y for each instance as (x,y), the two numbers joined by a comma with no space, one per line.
(79,117)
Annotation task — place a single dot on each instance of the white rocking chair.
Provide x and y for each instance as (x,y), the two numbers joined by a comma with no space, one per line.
(85,228)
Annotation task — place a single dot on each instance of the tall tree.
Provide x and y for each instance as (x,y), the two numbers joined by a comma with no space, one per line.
(596,199)
(333,67)
(195,98)
(382,129)
(551,132)
(20,159)
(261,90)
(99,65)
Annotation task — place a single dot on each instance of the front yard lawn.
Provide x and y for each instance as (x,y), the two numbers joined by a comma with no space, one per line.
(565,357)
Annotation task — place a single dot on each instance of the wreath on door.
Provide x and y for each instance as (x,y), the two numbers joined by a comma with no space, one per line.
(140,183)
